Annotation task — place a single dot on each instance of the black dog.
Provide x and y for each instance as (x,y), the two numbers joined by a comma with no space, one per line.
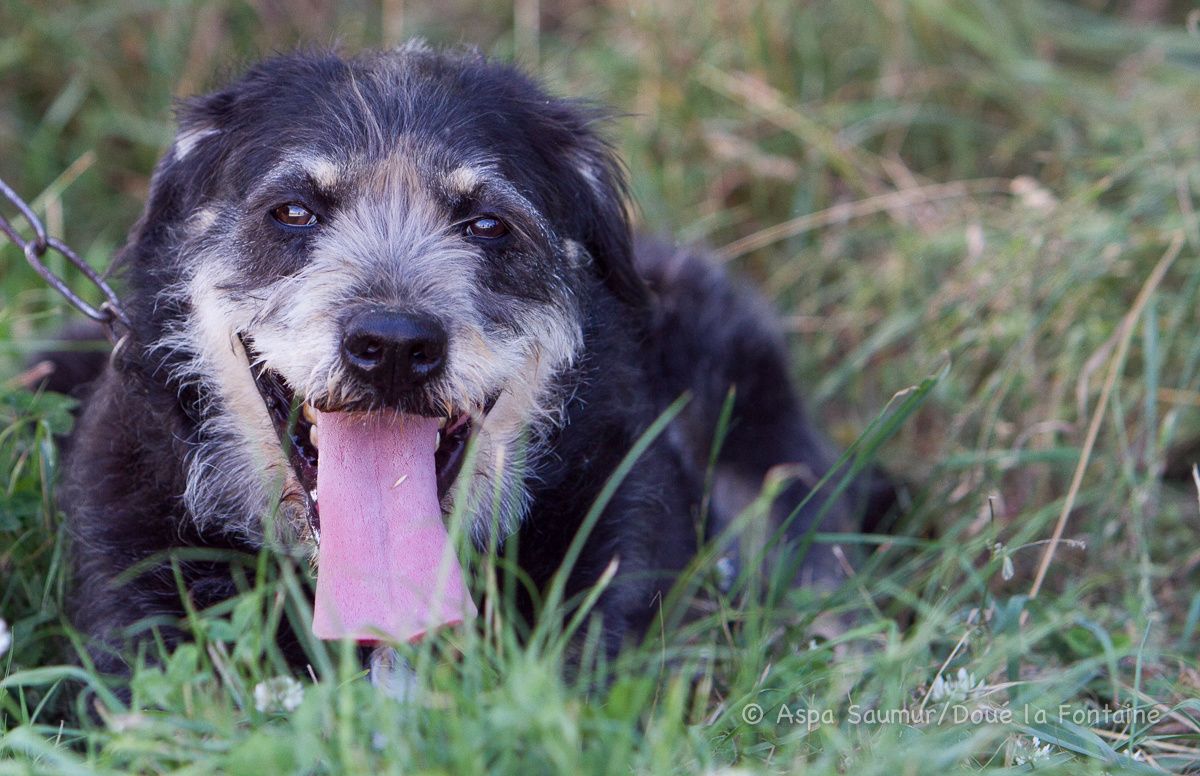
(349,269)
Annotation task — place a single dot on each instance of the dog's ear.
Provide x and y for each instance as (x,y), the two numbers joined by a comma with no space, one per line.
(182,180)
(200,119)
(201,139)
(598,200)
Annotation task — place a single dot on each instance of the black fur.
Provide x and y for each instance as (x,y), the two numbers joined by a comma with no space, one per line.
(656,323)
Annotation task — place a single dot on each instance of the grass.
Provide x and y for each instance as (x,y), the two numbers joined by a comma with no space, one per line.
(968,197)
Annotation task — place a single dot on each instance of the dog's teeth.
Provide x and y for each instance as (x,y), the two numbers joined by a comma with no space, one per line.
(310,413)
(313,436)
(312,494)
(438,443)
(442,421)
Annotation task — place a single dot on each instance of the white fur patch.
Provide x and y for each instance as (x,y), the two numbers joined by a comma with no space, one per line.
(325,172)
(202,220)
(186,140)
(236,466)
(464,180)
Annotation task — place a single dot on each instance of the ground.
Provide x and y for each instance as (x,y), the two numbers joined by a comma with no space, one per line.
(978,221)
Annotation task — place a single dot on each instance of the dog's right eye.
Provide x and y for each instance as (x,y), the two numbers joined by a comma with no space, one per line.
(293,214)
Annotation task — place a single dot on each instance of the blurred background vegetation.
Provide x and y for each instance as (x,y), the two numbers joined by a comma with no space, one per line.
(914,183)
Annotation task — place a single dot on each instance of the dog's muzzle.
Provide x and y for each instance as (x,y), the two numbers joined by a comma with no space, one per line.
(374,463)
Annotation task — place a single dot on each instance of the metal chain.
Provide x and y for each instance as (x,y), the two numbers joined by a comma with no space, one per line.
(109,312)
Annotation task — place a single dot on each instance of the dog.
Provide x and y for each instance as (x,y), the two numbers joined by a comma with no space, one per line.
(369,294)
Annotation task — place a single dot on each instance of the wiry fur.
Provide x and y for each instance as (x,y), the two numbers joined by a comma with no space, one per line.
(580,339)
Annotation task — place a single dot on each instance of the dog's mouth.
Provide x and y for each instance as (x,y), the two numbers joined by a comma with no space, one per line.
(373,483)
(298,425)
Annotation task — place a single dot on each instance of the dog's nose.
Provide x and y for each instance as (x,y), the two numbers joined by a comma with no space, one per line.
(390,349)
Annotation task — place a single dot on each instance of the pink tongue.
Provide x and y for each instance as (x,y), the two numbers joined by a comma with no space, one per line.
(386,569)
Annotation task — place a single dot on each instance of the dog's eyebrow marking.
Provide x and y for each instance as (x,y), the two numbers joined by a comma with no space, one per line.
(507,194)
(324,172)
(186,140)
(464,180)
(470,180)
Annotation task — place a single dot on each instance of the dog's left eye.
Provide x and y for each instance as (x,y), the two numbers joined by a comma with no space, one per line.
(293,214)
(487,227)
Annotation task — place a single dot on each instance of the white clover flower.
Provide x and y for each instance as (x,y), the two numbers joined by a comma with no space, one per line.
(283,693)
(1029,752)
(1032,194)
(5,637)
(957,689)
(937,690)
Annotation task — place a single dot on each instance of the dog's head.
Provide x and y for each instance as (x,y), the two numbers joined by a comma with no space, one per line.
(405,235)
